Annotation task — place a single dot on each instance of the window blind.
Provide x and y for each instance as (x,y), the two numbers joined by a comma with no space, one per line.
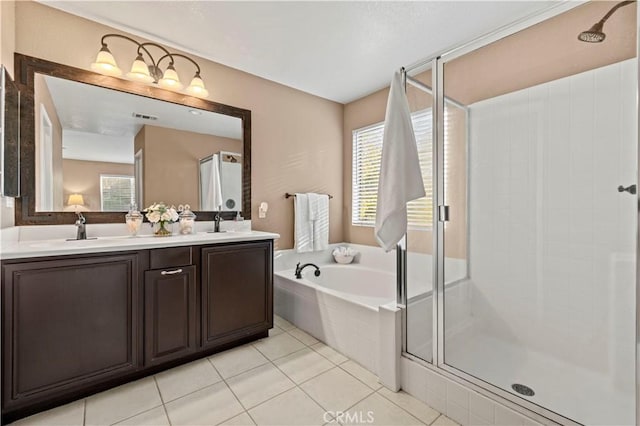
(367,155)
(117,193)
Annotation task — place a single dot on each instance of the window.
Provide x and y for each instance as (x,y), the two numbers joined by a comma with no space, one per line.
(367,155)
(117,193)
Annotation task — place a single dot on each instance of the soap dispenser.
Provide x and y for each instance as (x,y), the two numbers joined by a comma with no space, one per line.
(187,220)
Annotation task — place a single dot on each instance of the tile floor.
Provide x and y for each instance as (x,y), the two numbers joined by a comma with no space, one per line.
(288,378)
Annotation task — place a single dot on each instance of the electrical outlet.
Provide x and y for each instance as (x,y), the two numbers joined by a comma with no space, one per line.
(10,202)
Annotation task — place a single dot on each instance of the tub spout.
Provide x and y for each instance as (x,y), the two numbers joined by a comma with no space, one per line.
(300,268)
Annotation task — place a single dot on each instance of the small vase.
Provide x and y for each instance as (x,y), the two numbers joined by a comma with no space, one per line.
(162,229)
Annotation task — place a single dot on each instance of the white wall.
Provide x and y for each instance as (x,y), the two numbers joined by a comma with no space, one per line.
(552,241)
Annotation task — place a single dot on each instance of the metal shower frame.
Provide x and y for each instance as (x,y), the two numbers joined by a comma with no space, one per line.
(438,365)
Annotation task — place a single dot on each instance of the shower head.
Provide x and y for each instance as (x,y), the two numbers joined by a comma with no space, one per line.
(595,33)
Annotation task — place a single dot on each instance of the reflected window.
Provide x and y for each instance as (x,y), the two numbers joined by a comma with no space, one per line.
(117,193)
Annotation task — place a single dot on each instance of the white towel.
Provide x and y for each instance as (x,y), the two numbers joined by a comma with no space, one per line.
(206,182)
(216,183)
(303,226)
(319,216)
(400,175)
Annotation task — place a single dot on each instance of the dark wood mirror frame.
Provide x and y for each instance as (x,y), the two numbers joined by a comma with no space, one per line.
(27,66)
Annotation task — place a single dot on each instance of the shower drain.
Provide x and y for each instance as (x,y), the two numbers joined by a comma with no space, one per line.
(523,389)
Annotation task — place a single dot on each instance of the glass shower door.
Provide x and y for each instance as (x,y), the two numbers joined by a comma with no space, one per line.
(540,168)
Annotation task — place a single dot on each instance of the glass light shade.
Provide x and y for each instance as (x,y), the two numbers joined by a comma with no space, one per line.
(140,71)
(75,200)
(105,63)
(196,87)
(170,79)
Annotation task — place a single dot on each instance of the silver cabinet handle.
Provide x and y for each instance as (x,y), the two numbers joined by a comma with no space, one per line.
(175,271)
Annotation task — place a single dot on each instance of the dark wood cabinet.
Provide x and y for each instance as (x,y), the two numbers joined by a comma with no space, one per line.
(237,291)
(76,325)
(67,323)
(170,314)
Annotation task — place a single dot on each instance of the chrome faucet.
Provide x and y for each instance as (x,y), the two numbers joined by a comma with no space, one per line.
(82,227)
(300,268)
(217,219)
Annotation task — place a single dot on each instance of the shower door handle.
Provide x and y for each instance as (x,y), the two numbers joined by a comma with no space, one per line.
(631,189)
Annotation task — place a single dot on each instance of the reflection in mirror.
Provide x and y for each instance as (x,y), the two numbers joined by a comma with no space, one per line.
(117,149)
(9,136)
(220,181)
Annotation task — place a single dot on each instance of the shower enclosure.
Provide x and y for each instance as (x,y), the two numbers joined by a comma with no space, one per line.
(531,173)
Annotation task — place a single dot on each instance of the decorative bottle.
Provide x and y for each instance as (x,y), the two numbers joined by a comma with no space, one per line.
(133,220)
(187,220)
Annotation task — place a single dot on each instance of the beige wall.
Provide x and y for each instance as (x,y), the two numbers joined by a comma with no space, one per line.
(177,183)
(297,137)
(42,96)
(544,52)
(83,177)
(7,46)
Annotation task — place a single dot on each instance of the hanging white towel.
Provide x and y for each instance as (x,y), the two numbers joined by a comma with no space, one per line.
(303,226)
(400,175)
(206,183)
(319,216)
(216,183)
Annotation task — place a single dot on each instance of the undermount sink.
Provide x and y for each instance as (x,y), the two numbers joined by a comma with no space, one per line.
(61,242)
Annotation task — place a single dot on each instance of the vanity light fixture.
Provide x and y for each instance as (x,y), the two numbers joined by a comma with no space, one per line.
(149,73)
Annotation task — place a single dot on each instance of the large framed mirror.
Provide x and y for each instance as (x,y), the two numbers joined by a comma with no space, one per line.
(100,144)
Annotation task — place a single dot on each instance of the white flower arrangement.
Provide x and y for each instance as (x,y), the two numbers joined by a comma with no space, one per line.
(161,213)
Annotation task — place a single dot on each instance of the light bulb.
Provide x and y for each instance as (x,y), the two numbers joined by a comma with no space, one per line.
(170,79)
(196,87)
(140,71)
(105,63)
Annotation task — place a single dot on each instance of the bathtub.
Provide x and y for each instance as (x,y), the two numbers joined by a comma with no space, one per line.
(348,306)
(340,307)
(361,285)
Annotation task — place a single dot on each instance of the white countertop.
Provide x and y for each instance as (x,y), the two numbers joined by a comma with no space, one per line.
(30,248)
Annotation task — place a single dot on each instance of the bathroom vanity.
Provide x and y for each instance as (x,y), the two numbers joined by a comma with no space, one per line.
(83,316)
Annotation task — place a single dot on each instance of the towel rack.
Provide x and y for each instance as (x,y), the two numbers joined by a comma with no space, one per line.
(288,195)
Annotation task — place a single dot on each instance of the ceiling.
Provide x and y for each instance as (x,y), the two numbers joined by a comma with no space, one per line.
(336,50)
(98,123)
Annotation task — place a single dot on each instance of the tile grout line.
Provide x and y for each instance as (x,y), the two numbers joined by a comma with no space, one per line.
(137,414)
(303,391)
(84,412)
(354,376)
(164,407)
(405,410)
(233,393)
(436,419)
(372,391)
(296,385)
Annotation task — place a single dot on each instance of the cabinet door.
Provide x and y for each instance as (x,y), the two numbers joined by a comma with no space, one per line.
(237,291)
(170,314)
(68,323)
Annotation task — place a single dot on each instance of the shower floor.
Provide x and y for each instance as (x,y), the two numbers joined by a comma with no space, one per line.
(573,392)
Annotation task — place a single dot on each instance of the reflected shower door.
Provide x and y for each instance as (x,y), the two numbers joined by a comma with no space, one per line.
(419,241)
(546,312)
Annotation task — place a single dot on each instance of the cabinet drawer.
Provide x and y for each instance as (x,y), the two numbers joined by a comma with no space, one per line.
(170,257)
